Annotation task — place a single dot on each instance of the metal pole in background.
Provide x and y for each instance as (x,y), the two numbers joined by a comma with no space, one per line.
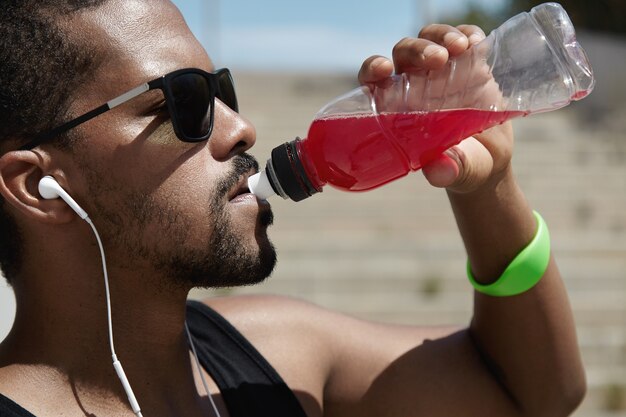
(424,14)
(429,12)
(211,31)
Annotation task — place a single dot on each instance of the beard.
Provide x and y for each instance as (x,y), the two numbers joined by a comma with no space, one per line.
(224,259)
(227,261)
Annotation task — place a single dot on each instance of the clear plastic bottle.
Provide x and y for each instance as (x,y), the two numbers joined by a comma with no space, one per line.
(532,63)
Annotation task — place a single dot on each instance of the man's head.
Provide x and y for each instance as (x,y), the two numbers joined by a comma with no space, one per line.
(39,68)
(163,206)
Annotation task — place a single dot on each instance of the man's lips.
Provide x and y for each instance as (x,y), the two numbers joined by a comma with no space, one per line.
(240,190)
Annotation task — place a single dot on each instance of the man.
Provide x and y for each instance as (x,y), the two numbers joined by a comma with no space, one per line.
(171,206)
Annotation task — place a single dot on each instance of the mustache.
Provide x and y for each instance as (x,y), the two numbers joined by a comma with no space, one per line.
(242,164)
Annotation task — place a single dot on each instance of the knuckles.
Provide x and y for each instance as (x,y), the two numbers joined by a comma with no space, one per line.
(404,44)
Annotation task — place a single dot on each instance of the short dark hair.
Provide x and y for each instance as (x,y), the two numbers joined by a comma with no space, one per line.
(39,68)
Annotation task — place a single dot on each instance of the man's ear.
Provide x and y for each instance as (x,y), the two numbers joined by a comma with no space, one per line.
(20,172)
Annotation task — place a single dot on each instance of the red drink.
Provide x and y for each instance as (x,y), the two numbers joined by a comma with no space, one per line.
(361,152)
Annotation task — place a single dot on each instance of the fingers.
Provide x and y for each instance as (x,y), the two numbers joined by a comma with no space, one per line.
(499,141)
(435,44)
(374,69)
(453,39)
(462,168)
(417,54)
(443,171)
(474,33)
(470,164)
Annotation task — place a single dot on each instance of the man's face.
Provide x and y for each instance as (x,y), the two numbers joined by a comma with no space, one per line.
(172,209)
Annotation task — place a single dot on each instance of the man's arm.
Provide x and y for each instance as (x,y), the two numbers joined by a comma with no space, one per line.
(528,340)
(519,356)
(525,345)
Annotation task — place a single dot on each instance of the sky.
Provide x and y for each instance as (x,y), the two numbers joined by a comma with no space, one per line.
(319,35)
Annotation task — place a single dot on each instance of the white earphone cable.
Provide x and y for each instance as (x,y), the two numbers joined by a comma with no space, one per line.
(116,363)
(206,386)
(106,284)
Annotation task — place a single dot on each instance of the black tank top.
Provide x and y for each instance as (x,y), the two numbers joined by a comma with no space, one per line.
(249,385)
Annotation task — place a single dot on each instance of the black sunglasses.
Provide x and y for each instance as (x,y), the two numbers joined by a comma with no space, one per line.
(190,96)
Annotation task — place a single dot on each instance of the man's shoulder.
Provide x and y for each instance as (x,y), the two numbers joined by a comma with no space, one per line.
(268,312)
(266,302)
(291,334)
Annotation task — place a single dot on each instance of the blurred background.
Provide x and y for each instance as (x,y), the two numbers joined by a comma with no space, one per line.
(394,254)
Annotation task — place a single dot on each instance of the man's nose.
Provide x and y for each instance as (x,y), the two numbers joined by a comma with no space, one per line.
(232,134)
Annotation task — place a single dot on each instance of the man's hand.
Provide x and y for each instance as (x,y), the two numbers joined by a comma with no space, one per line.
(477,161)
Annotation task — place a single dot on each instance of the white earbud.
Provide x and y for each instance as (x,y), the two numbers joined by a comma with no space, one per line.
(50,189)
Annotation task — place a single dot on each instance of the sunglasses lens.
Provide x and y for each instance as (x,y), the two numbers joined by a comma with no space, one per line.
(227,90)
(192,103)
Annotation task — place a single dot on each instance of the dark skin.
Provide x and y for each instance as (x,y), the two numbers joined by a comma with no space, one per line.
(518,357)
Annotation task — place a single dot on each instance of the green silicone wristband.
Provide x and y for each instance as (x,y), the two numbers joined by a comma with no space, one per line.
(525,270)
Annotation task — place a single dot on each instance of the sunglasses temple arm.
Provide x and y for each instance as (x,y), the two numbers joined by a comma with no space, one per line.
(64,128)
(88,116)
(129,95)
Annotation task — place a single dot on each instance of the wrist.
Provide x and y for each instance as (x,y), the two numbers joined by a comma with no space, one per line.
(495,223)
(524,271)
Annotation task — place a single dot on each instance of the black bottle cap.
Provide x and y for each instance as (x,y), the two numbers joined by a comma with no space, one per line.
(290,172)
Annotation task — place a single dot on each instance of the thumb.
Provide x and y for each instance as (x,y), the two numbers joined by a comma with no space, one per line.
(374,69)
(462,168)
